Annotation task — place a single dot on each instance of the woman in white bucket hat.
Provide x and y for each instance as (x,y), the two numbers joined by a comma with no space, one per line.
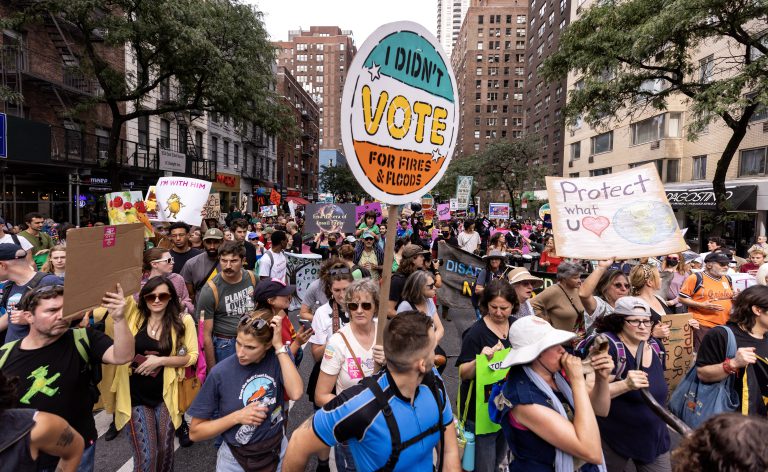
(549,422)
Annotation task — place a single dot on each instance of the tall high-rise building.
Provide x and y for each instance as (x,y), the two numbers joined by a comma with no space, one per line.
(489,64)
(544,101)
(319,59)
(450,15)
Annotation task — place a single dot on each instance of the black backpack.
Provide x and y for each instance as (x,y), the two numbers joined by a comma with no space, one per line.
(398,445)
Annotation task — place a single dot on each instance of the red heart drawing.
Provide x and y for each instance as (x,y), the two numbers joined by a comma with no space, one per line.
(596,225)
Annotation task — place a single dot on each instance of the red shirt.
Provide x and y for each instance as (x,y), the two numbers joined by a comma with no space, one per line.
(553,262)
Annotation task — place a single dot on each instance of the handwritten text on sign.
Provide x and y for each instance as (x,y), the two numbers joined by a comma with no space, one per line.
(679,348)
(399,113)
(627,212)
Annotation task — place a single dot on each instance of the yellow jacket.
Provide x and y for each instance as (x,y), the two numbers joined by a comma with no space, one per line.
(120,386)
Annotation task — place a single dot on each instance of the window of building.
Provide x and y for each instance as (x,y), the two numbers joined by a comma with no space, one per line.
(707,69)
(551,19)
(520,45)
(301,47)
(509,19)
(573,175)
(518,97)
(520,32)
(477,134)
(651,129)
(603,171)
(602,143)
(319,57)
(699,168)
(752,162)
(214,148)
(165,133)
(143,131)
(479,45)
(479,58)
(479,71)
(562,24)
(480,19)
(541,31)
(576,151)
(477,146)
(521,19)
(492,122)
(226,153)
(301,57)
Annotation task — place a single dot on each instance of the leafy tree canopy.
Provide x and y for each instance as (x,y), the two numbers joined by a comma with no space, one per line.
(340,181)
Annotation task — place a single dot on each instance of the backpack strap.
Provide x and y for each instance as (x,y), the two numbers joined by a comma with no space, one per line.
(621,353)
(82,343)
(215,294)
(699,283)
(16,240)
(5,351)
(36,279)
(271,262)
(6,294)
(252,276)
(382,399)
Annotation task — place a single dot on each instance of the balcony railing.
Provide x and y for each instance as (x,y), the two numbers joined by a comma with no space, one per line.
(48,68)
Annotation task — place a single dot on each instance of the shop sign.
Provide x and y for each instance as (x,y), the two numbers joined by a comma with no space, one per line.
(172,161)
(738,198)
(227,180)
(3,136)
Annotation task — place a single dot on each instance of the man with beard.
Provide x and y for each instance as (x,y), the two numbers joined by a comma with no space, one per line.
(708,295)
(224,300)
(203,267)
(182,249)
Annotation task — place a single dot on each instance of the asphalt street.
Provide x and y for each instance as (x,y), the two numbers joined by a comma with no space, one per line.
(116,455)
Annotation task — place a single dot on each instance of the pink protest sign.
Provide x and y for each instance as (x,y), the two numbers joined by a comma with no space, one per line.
(375,206)
(443,211)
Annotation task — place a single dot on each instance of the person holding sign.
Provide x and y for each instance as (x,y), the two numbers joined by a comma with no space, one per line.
(549,422)
(632,431)
(600,290)
(485,338)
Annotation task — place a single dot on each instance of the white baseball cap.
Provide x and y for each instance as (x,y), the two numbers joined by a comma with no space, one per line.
(529,337)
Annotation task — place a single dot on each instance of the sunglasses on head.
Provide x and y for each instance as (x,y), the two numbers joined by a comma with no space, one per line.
(365,306)
(255,323)
(153,297)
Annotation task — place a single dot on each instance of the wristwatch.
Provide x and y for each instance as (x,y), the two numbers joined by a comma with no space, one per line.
(283,350)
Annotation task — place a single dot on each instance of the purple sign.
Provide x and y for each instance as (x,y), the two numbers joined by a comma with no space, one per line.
(375,206)
(443,211)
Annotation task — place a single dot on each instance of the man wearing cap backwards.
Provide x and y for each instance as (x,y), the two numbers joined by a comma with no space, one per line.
(536,402)
(369,256)
(710,303)
(224,300)
(20,278)
(524,284)
(203,267)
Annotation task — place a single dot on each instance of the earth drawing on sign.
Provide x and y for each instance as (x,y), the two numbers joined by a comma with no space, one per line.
(645,222)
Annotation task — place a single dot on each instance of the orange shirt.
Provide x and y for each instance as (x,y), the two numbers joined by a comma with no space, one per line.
(713,290)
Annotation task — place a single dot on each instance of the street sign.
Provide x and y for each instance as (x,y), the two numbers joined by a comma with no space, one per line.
(3,136)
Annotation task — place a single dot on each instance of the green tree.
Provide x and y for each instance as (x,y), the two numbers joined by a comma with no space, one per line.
(340,181)
(636,55)
(216,55)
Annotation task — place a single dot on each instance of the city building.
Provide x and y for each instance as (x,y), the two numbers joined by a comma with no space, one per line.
(489,65)
(450,16)
(685,167)
(297,158)
(544,101)
(319,59)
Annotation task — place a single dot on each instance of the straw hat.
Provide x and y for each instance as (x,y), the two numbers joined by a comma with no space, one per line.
(529,337)
(520,274)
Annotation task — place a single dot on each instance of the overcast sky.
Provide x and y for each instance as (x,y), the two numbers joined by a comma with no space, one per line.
(362,17)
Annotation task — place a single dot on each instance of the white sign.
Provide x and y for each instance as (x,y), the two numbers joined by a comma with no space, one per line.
(181,199)
(399,113)
(454,204)
(624,215)
(172,161)
(464,191)
(303,269)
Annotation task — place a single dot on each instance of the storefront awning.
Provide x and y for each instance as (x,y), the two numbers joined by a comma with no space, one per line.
(740,198)
(297,200)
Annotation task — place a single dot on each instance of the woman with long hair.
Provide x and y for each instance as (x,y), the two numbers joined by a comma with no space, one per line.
(632,431)
(486,336)
(243,397)
(57,261)
(146,391)
(350,354)
(674,267)
(159,262)
(645,281)
(548,259)
(418,294)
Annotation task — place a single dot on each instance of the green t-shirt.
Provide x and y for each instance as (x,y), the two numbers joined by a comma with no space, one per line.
(235,300)
(365,227)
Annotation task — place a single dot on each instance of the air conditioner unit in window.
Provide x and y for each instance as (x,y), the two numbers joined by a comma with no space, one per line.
(655,144)
(570,163)
(591,159)
(103,155)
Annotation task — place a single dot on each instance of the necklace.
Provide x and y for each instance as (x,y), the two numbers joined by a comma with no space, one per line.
(153,330)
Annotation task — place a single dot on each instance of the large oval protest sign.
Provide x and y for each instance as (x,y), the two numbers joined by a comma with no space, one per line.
(399,113)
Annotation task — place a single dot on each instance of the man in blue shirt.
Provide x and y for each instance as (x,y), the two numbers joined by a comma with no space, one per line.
(413,392)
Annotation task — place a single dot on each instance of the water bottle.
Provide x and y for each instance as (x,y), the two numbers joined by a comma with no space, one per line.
(468,461)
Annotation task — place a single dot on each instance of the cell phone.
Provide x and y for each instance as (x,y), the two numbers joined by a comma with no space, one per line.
(306,324)
(139,359)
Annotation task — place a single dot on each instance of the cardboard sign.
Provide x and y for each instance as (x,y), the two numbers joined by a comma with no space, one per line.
(128,207)
(212,207)
(303,269)
(361,209)
(268,210)
(182,199)
(443,211)
(679,348)
(330,218)
(624,215)
(399,113)
(498,211)
(463,191)
(118,250)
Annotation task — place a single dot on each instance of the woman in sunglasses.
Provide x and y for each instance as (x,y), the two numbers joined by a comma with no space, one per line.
(351,354)
(600,290)
(645,282)
(418,294)
(676,270)
(242,398)
(632,431)
(159,262)
(146,395)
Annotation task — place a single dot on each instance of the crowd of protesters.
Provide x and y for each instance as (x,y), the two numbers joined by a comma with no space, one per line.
(207,349)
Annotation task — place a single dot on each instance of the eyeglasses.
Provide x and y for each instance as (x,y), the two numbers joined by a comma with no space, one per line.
(154,297)
(621,285)
(431,286)
(169,260)
(637,323)
(255,323)
(365,306)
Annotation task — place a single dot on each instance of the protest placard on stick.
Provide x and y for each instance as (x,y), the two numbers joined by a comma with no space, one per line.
(212,207)
(679,348)
(118,250)
(182,199)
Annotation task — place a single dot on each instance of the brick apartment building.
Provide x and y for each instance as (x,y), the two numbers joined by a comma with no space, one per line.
(489,63)
(319,59)
(297,159)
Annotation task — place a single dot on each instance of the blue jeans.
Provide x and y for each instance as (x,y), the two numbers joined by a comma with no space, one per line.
(223,348)
(225,461)
(86,461)
(344,460)
(490,450)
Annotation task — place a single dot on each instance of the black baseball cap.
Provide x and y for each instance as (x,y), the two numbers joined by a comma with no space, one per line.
(10,251)
(718,257)
(267,289)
